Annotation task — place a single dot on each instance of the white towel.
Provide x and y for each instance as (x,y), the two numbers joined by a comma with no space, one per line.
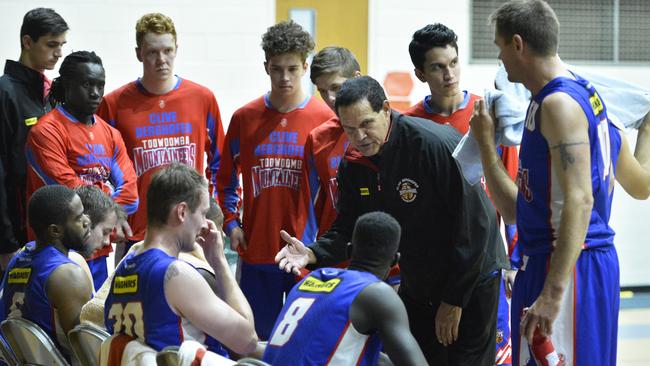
(193,350)
(510,113)
(127,350)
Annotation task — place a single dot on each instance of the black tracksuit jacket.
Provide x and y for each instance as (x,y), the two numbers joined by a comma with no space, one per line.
(450,238)
(21,103)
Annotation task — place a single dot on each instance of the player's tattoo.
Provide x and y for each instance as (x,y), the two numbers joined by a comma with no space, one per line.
(565,156)
(172,272)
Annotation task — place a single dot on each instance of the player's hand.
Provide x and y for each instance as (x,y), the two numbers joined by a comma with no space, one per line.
(482,123)
(210,239)
(447,320)
(540,315)
(237,239)
(294,255)
(509,279)
(122,231)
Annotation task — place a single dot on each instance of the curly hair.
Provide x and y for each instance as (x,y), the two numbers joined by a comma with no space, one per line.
(431,36)
(156,23)
(287,37)
(68,71)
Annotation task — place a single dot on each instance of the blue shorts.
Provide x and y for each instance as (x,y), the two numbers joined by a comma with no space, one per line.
(99,270)
(504,345)
(265,287)
(585,331)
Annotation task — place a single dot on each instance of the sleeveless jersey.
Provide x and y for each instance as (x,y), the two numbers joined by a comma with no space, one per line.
(136,304)
(540,199)
(314,326)
(24,288)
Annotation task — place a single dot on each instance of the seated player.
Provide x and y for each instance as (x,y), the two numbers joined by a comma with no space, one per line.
(42,284)
(344,315)
(73,146)
(103,213)
(93,312)
(152,292)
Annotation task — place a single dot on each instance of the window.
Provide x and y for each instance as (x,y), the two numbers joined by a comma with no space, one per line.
(609,31)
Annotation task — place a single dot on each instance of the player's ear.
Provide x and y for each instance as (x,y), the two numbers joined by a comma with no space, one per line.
(137,54)
(55,231)
(266,67)
(180,211)
(419,74)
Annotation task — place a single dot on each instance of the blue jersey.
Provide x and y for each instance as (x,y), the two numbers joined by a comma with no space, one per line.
(314,326)
(24,288)
(136,304)
(540,198)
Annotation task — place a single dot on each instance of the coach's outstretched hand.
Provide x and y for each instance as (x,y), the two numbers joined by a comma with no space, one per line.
(294,256)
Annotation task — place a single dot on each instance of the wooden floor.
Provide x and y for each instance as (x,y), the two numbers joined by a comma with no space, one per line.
(634,337)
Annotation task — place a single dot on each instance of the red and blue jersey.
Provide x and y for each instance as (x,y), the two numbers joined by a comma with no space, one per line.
(324,150)
(267,148)
(24,290)
(136,304)
(540,198)
(181,126)
(314,327)
(62,150)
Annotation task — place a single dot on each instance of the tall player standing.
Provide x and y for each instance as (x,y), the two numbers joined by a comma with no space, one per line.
(265,144)
(162,117)
(562,199)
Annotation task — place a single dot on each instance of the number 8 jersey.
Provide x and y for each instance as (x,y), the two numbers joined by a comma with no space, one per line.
(314,325)
(136,304)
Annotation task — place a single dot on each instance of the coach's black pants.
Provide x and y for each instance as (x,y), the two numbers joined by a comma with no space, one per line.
(476,344)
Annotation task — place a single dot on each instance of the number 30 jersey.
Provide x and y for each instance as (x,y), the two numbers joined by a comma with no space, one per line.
(24,288)
(136,304)
(314,326)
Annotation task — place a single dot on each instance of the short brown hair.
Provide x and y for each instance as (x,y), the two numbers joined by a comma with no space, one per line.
(172,185)
(154,23)
(533,20)
(287,37)
(331,60)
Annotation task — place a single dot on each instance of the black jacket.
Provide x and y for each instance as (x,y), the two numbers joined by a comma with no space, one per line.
(21,103)
(450,236)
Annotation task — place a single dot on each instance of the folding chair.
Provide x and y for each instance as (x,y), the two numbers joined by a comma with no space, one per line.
(6,354)
(86,341)
(31,344)
(168,356)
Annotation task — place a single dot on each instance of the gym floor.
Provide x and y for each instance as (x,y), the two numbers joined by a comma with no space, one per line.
(634,330)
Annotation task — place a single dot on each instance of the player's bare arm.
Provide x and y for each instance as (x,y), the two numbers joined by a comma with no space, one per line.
(378,308)
(190,297)
(642,150)
(629,172)
(68,289)
(503,190)
(211,242)
(564,125)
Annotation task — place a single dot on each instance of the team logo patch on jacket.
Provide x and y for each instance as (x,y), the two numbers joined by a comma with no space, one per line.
(408,189)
